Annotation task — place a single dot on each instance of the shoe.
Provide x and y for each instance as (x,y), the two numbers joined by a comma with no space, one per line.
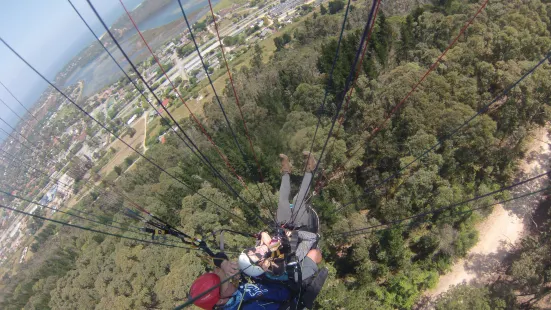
(285,164)
(310,161)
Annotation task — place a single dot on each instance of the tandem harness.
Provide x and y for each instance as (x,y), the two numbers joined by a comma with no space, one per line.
(304,291)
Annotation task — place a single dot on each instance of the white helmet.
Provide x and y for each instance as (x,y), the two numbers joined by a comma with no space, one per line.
(247,266)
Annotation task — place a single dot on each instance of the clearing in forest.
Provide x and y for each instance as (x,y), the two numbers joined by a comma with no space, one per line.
(505,226)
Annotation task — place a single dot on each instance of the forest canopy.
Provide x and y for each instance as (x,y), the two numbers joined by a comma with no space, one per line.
(281,100)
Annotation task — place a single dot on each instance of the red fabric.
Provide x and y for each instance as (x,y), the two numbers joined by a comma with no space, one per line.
(202,284)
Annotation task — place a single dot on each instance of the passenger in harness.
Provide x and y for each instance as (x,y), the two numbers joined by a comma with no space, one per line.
(291,255)
(282,266)
(272,255)
(295,238)
(233,295)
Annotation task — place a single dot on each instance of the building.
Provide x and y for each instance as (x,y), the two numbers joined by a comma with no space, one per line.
(266,32)
(106,94)
(200,75)
(169,46)
(151,73)
(81,136)
(133,118)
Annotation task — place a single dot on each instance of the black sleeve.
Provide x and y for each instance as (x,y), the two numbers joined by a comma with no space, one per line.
(219,258)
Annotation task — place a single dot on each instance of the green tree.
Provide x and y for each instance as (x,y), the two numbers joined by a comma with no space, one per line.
(381,40)
(278,41)
(144,104)
(335,6)
(118,170)
(466,297)
(323,9)
(200,26)
(256,61)
(185,50)
(131,132)
(308,98)
(129,161)
(406,43)
(35,223)
(393,250)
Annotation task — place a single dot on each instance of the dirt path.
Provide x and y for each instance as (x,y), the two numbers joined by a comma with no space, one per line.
(145,132)
(505,226)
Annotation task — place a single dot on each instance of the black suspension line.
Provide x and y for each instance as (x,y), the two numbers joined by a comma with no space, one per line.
(236,194)
(15,139)
(112,133)
(329,82)
(165,227)
(451,134)
(21,104)
(346,87)
(421,221)
(98,219)
(12,158)
(245,159)
(24,138)
(113,186)
(196,120)
(12,111)
(14,130)
(64,185)
(98,231)
(142,93)
(452,206)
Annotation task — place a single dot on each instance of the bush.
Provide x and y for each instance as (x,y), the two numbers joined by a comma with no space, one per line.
(129,161)
(335,6)
(118,170)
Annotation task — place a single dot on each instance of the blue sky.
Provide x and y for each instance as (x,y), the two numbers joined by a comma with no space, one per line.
(47,33)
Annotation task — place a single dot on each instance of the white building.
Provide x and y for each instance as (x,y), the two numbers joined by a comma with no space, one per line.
(132,119)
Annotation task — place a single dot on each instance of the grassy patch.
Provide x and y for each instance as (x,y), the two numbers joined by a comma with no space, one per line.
(205,90)
(122,150)
(268,49)
(224,23)
(267,45)
(153,128)
(224,4)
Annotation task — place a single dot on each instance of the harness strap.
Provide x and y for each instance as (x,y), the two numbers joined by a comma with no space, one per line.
(293,241)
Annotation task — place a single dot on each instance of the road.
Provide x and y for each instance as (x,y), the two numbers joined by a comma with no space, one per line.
(506,225)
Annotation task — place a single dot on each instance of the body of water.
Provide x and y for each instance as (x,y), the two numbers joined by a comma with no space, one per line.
(102,71)
(171,13)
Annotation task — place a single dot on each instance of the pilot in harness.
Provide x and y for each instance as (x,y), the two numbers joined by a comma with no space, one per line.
(281,271)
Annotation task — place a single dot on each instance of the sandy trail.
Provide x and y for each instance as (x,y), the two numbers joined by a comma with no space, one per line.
(505,226)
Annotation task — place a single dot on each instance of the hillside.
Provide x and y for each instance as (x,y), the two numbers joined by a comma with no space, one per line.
(393,176)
